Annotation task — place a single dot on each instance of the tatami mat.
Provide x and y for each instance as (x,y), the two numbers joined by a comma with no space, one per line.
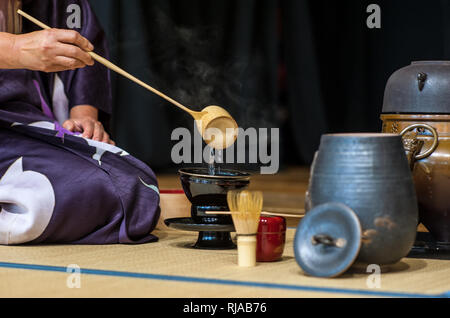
(170,268)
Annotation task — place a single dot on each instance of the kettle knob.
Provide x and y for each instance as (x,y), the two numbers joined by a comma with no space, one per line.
(421,79)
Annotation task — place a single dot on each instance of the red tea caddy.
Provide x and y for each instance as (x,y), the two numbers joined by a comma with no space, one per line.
(271,238)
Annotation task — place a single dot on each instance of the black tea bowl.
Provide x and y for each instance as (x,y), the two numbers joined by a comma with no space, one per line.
(208,193)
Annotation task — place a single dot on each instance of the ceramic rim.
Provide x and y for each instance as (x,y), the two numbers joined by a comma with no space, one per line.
(234,174)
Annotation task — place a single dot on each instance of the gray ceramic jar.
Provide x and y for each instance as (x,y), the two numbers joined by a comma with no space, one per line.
(370,174)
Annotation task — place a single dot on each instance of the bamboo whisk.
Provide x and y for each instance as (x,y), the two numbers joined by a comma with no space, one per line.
(246,209)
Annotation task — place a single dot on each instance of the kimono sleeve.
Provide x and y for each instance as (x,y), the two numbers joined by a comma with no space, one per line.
(90,85)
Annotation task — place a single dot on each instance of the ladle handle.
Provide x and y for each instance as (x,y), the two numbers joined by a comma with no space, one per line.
(114,67)
(122,72)
(262,213)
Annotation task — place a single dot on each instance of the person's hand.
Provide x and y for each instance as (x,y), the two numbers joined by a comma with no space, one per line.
(91,129)
(52,50)
(83,119)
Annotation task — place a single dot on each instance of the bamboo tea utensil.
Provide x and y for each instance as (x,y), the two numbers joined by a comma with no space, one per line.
(246,207)
(217,127)
(266,213)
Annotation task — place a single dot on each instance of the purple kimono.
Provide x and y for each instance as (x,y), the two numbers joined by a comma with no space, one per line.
(55,186)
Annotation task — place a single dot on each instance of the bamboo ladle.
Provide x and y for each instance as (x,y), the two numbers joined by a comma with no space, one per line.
(217,127)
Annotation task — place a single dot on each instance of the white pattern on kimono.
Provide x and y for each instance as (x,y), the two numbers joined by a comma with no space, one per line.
(60,101)
(40,124)
(102,147)
(27,202)
(150,186)
(43,124)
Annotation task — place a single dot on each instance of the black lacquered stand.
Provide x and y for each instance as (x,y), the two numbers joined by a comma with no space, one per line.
(210,236)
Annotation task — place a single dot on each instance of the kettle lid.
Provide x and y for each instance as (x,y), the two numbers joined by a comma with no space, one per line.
(420,88)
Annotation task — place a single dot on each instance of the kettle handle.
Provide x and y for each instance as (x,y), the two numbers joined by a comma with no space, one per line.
(415,140)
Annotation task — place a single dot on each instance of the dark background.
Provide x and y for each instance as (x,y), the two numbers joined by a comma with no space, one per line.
(306,66)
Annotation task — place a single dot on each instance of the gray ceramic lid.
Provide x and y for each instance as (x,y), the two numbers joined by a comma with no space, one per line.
(328,240)
(420,88)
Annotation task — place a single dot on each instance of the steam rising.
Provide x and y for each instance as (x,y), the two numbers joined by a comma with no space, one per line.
(197,69)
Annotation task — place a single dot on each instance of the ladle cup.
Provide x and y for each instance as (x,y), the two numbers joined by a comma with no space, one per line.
(218,128)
